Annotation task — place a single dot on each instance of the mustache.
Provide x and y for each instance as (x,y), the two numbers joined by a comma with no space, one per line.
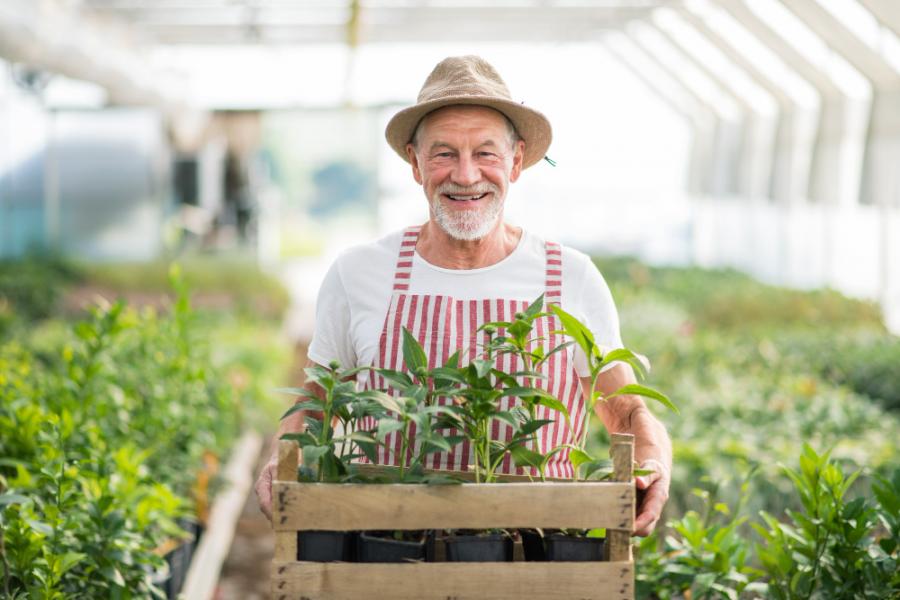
(451,189)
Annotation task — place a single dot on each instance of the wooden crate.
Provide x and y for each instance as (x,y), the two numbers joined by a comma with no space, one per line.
(347,507)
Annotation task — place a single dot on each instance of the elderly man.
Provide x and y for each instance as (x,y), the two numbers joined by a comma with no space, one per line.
(467,141)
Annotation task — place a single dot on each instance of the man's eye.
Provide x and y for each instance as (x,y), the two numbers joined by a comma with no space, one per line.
(443,154)
(487,154)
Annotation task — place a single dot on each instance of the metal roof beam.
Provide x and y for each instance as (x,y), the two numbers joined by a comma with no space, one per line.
(795,136)
(886,11)
(667,87)
(840,38)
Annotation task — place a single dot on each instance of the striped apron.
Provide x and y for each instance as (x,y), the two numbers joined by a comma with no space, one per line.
(444,325)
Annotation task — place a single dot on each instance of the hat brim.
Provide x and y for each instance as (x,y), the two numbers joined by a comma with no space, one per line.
(532,126)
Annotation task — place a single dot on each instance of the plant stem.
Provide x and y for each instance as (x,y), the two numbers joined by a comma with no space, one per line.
(325,435)
(404,445)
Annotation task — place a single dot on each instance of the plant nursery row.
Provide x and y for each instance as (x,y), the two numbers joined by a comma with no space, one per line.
(112,428)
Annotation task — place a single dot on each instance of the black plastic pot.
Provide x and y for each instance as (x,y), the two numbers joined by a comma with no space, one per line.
(533,545)
(567,548)
(479,548)
(379,547)
(324,546)
(179,560)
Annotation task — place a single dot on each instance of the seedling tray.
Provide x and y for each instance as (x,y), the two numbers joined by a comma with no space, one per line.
(513,504)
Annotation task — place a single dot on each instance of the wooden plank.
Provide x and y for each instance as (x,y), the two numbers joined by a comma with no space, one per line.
(621,450)
(288,460)
(371,470)
(343,507)
(203,573)
(618,540)
(457,581)
(285,546)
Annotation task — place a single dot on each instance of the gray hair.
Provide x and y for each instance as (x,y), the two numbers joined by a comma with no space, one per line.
(511,134)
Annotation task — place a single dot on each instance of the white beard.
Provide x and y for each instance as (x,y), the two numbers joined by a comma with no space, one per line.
(467,225)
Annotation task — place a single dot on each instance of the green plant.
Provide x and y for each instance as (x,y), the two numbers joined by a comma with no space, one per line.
(103,428)
(326,456)
(706,555)
(597,362)
(828,550)
(481,386)
(414,411)
(31,288)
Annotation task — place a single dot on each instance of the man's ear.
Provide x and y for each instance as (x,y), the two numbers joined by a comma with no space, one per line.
(414,161)
(518,158)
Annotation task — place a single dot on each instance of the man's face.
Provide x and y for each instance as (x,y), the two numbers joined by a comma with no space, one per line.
(464,161)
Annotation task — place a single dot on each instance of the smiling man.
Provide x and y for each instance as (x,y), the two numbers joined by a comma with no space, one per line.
(467,141)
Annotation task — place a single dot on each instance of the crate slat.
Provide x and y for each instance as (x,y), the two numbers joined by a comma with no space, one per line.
(323,506)
(371,470)
(459,581)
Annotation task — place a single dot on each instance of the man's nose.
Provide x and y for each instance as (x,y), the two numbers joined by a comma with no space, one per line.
(466,172)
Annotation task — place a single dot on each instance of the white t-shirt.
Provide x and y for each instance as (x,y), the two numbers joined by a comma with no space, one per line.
(356,294)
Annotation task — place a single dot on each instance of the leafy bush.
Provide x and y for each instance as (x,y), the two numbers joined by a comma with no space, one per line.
(834,547)
(864,362)
(829,549)
(705,557)
(102,442)
(728,299)
(216,282)
(31,289)
(757,370)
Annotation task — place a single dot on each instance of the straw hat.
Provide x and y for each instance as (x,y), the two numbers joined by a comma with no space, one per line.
(470,80)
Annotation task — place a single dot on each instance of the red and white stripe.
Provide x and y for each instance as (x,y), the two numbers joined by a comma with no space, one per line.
(443,325)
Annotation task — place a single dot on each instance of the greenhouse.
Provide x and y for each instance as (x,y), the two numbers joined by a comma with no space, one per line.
(641,332)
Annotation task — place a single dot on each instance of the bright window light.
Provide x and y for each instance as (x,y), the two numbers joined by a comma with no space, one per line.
(675,60)
(812,47)
(734,78)
(757,53)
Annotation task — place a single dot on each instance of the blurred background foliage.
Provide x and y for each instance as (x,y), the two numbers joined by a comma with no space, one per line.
(122,390)
(757,371)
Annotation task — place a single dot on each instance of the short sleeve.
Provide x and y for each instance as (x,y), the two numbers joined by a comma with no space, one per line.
(598,312)
(331,337)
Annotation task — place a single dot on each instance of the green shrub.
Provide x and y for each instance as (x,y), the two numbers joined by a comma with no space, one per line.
(101,444)
(728,299)
(865,362)
(30,289)
(757,371)
(831,548)
(706,556)
(223,283)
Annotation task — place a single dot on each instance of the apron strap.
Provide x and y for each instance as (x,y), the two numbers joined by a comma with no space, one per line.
(405,258)
(553,286)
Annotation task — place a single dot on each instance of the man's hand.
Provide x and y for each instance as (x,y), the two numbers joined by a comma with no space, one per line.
(655,488)
(264,487)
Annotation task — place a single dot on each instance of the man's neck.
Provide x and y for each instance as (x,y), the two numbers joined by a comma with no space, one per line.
(439,249)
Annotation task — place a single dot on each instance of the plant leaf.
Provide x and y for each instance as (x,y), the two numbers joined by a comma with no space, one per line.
(642,390)
(387,426)
(413,354)
(574,329)
(525,457)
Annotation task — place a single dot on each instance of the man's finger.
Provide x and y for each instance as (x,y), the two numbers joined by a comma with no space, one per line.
(645,481)
(650,511)
(264,492)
